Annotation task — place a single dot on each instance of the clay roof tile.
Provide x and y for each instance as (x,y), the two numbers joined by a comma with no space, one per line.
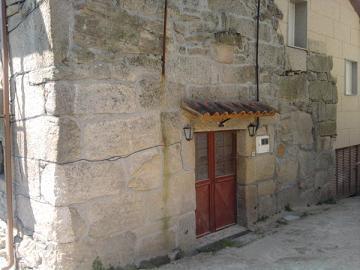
(217,110)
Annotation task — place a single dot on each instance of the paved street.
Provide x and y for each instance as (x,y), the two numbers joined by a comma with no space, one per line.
(329,240)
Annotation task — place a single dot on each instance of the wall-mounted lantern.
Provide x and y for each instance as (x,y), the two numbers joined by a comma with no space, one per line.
(188,132)
(252,128)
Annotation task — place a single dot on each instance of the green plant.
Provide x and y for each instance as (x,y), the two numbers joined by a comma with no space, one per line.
(114,268)
(262,218)
(288,208)
(304,214)
(219,245)
(97,264)
(328,201)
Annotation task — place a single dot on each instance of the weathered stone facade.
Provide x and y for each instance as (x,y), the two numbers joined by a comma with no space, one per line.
(333,28)
(102,167)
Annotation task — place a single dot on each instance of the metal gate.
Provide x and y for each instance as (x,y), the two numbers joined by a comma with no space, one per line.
(347,171)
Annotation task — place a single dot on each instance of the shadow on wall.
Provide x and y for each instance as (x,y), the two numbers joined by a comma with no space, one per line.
(29,44)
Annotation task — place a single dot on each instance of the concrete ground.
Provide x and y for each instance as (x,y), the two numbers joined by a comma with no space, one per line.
(327,238)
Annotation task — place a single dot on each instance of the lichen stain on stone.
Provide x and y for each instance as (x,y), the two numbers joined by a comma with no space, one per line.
(101,29)
(162,92)
(165,195)
(281,150)
(151,93)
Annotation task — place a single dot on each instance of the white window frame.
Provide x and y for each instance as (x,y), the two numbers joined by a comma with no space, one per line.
(351,78)
(292,24)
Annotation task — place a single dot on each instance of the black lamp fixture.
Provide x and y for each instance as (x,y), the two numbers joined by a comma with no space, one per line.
(188,132)
(252,128)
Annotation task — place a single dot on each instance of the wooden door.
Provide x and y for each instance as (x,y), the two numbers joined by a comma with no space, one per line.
(215,181)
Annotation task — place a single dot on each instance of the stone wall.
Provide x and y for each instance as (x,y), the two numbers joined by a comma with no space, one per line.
(299,169)
(304,139)
(35,131)
(102,167)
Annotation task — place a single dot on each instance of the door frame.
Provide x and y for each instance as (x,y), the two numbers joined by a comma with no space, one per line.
(212,178)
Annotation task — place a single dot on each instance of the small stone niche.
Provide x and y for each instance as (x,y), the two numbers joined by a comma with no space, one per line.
(230,38)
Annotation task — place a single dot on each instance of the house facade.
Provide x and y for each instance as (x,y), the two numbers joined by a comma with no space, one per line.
(126,147)
(332,27)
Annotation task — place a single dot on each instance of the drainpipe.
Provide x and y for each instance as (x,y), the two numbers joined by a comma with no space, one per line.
(257,58)
(163,58)
(7,135)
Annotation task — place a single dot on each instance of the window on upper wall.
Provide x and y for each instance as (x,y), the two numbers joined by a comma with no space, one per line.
(297,35)
(351,78)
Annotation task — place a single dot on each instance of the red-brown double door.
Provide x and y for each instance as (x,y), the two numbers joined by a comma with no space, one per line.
(215,181)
